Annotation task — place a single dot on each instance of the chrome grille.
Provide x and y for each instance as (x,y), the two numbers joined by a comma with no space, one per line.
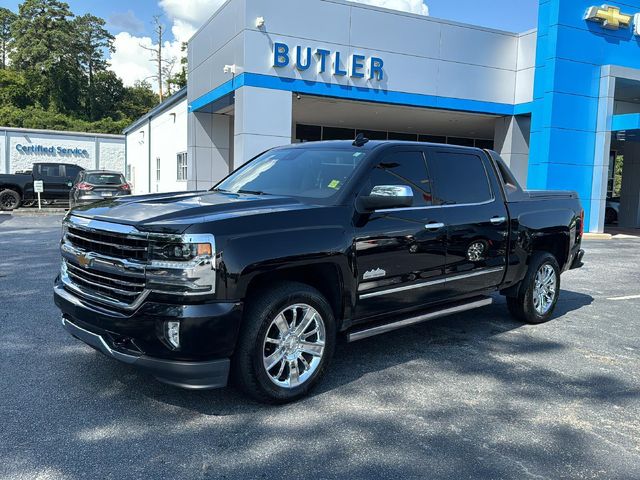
(122,290)
(109,243)
(105,262)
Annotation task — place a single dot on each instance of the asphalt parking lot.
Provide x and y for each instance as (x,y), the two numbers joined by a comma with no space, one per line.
(476,395)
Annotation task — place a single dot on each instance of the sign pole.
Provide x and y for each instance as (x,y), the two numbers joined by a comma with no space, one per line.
(38,187)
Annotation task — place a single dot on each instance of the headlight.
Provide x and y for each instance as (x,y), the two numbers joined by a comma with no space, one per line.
(182,265)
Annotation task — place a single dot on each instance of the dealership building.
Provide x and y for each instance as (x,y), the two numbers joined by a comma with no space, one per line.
(20,148)
(560,103)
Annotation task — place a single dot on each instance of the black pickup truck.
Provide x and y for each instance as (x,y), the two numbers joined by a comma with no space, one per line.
(17,189)
(254,279)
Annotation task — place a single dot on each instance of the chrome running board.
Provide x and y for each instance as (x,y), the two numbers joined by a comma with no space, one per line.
(366,332)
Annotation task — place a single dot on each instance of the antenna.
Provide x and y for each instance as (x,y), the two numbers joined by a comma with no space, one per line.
(360,140)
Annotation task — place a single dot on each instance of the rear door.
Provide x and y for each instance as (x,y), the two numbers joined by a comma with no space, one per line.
(400,260)
(476,219)
(71,172)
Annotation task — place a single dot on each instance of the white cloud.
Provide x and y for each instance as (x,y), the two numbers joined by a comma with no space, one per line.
(410,6)
(193,12)
(131,62)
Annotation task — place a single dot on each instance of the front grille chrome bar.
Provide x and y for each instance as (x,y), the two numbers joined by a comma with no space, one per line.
(105,263)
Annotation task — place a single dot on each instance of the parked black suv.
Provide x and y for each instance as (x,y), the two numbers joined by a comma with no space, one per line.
(256,277)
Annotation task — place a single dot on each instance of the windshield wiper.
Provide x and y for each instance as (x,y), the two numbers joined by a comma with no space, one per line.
(252,192)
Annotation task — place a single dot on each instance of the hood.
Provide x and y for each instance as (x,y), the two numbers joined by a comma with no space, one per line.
(176,211)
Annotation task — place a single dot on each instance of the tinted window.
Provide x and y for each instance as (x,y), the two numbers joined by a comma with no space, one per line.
(72,170)
(335,133)
(308,133)
(432,138)
(464,142)
(409,137)
(404,168)
(373,134)
(459,178)
(105,178)
(47,170)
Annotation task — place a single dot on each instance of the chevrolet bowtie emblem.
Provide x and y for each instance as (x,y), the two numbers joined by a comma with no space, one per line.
(610,17)
(83,260)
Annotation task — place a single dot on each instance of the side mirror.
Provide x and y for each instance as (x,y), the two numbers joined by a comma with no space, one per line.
(386,196)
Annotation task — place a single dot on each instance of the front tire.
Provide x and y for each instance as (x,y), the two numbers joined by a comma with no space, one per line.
(539,290)
(286,342)
(9,200)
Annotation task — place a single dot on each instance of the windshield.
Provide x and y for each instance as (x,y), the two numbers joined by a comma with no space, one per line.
(105,178)
(313,173)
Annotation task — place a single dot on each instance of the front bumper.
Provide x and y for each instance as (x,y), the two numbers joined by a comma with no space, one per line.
(208,335)
(192,375)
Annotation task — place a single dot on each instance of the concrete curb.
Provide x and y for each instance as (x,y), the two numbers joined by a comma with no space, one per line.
(597,236)
(34,212)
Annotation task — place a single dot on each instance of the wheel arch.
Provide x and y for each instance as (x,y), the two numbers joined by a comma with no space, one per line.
(14,187)
(557,244)
(324,277)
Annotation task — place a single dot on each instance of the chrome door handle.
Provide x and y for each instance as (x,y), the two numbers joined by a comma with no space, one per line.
(434,226)
(498,220)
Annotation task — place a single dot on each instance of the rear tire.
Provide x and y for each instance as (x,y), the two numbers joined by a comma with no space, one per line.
(9,200)
(265,340)
(538,292)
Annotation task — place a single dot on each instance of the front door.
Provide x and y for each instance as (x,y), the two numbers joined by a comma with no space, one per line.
(476,218)
(400,253)
(53,179)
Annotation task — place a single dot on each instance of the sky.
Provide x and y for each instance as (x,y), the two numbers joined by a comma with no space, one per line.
(131,22)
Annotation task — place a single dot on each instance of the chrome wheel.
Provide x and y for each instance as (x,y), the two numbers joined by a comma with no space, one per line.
(544,290)
(293,345)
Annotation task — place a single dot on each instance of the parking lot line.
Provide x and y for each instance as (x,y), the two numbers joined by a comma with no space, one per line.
(628,297)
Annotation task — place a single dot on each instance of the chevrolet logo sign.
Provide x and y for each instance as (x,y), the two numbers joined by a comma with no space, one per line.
(83,260)
(610,17)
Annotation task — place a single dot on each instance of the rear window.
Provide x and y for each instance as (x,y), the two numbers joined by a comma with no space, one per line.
(104,178)
(459,178)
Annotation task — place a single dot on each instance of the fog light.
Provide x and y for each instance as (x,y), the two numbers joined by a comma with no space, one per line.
(173,334)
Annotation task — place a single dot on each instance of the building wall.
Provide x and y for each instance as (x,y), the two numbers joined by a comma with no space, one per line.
(168,138)
(102,151)
(577,63)
(163,136)
(421,55)
(427,62)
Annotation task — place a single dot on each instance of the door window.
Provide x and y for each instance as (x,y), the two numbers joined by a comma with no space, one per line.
(72,171)
(404,168)
(459,178)
(47,170)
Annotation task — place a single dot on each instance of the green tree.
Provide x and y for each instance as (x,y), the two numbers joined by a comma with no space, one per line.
(179,80)
(43,34)
(92,41)
(14,89)
(43,44)
(138,100)
(7,17)
(108,94)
